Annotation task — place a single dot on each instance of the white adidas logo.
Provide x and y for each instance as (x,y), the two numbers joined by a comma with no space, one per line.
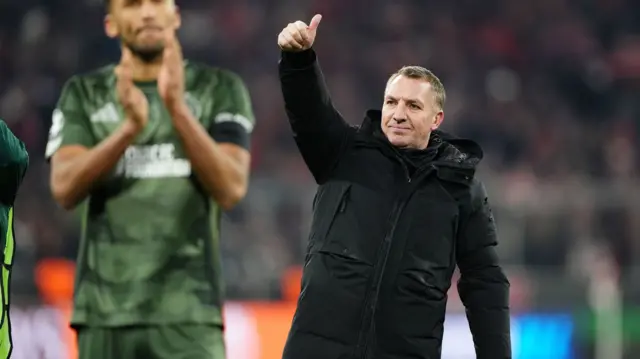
(107,113)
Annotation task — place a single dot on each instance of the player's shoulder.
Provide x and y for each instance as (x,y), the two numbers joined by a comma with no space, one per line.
(211,74)
(100,77)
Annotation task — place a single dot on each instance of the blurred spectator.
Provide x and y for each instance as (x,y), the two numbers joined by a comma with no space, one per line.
(549,88)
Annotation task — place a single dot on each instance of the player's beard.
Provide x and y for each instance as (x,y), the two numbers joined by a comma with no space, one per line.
(148,54)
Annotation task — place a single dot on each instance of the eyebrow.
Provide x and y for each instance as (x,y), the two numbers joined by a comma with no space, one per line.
(409,100)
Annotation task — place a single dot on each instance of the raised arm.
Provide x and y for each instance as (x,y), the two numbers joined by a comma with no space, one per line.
(483,286)
(318,128)
(13,164)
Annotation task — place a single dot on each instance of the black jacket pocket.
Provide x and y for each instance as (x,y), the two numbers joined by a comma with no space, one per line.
(330,201)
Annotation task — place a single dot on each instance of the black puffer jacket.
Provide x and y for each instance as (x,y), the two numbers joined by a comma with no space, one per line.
(388,229)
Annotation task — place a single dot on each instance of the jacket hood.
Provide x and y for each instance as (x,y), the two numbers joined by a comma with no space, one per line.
(456,151)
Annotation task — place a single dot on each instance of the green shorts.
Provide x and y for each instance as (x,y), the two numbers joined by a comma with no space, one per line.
(180,341)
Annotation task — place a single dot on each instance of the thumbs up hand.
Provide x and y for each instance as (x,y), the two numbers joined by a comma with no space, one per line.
(299,36)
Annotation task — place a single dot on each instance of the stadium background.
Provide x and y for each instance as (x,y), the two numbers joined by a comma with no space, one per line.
(550,88)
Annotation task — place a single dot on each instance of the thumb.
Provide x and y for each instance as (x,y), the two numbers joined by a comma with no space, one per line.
(315,22)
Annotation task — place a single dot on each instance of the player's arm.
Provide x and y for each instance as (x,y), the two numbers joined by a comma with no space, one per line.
(77,161)
(14,161)
(483,286)
(319,130)
(220,155)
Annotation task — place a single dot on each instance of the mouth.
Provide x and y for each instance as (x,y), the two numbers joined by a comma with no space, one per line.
(149,30)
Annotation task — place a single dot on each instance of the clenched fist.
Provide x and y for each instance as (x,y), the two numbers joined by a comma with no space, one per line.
(299,36)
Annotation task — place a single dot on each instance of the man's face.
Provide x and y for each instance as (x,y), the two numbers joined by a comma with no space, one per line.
(409,112)
(141,25)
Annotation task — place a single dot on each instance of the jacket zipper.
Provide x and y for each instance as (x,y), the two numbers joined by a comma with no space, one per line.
(343,201)
(406,172)
(373,292)
(371,301)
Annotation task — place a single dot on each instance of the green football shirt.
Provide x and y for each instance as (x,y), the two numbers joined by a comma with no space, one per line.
(14,161)
(149,249)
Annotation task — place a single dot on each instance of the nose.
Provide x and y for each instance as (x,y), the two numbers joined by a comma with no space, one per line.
(148,10)
(400,113)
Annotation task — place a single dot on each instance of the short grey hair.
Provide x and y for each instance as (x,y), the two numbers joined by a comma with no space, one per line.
(421,73)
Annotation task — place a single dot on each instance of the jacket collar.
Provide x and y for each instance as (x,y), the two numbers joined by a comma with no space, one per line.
(454,152)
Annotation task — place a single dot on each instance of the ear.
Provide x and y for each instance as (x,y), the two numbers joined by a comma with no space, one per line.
(110,28)
(437,120)
(178,18)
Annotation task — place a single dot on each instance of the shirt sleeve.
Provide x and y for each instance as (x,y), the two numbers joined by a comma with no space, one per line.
(14,161)
(233,120)
(69,122)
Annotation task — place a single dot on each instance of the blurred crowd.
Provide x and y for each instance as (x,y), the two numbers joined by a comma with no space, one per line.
(549,88)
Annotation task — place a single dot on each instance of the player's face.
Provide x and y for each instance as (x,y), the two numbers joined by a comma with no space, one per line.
(409,112)
(141,25)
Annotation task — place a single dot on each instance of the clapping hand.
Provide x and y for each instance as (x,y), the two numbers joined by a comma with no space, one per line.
(171,76)
(133,101)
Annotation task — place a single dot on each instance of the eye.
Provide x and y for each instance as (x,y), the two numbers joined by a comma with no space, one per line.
(414,106)
(389,102)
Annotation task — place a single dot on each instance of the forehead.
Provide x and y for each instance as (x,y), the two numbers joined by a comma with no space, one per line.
(408,88)
(120,3)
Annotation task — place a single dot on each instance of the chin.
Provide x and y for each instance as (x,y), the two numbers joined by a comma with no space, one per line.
(398,141)
(147,52)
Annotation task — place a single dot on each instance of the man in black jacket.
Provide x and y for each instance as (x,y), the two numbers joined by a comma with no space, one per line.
(397,208)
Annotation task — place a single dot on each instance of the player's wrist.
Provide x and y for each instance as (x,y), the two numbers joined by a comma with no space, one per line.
(130,129)
(178,109)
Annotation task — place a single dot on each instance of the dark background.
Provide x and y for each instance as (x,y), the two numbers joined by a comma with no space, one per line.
(550,88)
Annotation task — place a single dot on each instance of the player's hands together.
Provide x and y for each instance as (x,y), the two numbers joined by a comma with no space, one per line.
(299,36)
(133,101)
(171,77)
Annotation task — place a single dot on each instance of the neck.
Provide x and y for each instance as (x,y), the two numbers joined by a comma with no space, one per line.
(426,143)
(146,71)
(420,147)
